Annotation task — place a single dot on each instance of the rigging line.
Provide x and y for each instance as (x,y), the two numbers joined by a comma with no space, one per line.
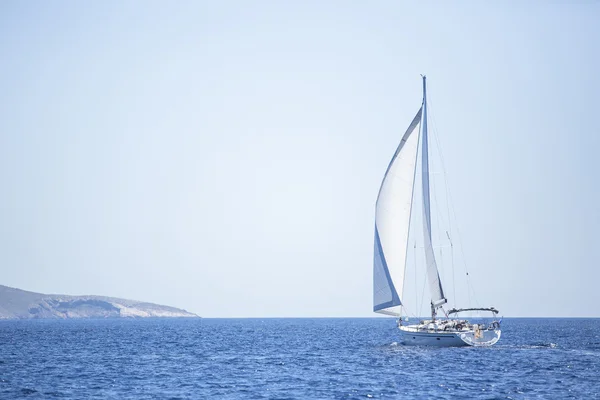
(415,264)
(470,289)
(438,146)
(469,286)
(439,216)
(437,211)
(422,294)
(441,156)
(452,263)
(408,312)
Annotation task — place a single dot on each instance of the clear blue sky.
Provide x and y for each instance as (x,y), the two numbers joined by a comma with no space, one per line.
(225,157)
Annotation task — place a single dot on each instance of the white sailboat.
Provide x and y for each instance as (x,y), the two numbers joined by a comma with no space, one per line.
(392,225)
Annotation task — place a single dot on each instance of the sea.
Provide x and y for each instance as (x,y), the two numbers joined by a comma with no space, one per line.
(337,358)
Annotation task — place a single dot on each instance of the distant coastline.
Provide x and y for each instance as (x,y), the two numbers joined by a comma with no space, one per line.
(21,304)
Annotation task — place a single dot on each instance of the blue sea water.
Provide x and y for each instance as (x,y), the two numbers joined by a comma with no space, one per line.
(290,359)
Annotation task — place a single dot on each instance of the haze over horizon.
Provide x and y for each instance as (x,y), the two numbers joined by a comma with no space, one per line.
(225,157)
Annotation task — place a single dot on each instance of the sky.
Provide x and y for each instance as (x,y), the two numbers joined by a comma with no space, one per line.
(225,157)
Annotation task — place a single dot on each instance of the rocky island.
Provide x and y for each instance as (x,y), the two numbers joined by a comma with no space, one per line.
(21,304)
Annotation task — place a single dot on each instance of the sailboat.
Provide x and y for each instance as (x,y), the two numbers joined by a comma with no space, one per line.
(394,207)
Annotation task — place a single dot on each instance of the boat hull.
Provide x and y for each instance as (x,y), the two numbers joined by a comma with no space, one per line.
(437,339)
(411,337)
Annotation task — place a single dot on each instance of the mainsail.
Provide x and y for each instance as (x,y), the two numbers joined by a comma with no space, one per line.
(433,277)
(392,219)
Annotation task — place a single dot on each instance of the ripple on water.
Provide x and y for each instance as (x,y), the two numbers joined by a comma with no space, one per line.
(292,358)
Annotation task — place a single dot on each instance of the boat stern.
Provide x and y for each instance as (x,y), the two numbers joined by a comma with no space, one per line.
(481,338)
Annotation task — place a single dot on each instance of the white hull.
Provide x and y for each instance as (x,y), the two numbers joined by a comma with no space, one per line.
(437,339)
(418,337)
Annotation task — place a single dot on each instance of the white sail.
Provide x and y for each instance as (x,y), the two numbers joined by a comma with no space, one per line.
(433,276)
(392,219)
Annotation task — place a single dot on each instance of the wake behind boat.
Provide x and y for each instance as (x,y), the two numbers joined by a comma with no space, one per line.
(392,226)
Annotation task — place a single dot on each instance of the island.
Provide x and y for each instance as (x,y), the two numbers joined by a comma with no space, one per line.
(21,304)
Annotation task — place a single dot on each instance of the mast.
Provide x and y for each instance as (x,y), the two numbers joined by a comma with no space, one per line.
(435,285)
